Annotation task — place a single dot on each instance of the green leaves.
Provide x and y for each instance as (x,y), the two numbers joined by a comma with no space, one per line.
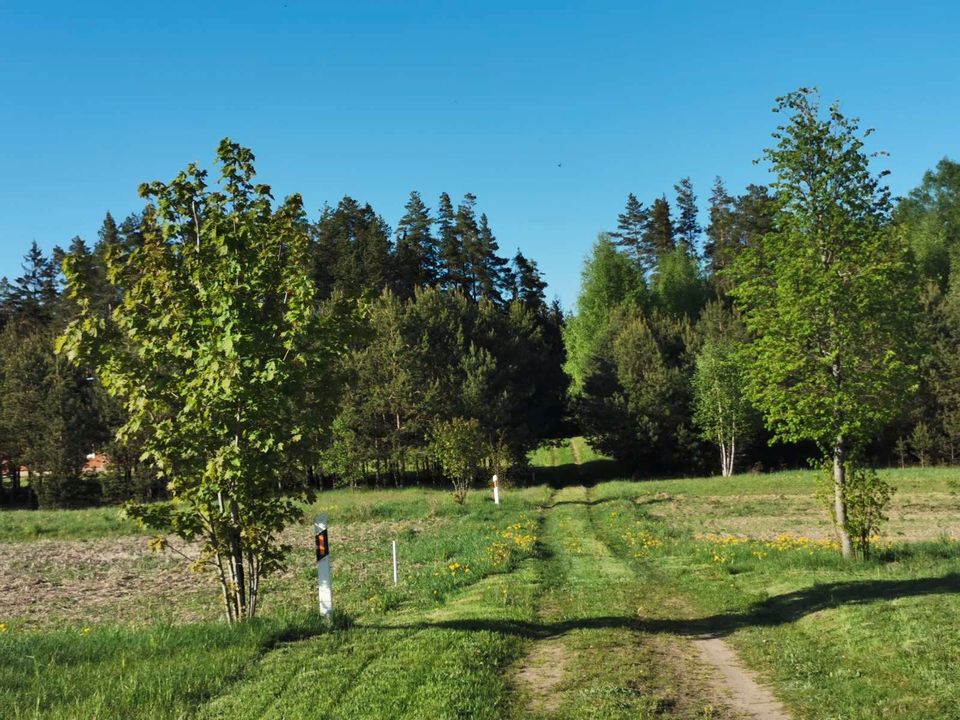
(460,448)
(216,339)
(827,295)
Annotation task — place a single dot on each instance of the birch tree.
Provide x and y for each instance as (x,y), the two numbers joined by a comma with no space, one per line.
(721,409)
(827,295)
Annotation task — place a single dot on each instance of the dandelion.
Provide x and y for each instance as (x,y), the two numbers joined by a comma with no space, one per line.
(3,628)
(85,631)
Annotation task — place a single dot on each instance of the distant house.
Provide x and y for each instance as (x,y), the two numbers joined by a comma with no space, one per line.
(7,469)
(96,463)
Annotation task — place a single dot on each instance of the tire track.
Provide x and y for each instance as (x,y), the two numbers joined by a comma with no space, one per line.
(729,678)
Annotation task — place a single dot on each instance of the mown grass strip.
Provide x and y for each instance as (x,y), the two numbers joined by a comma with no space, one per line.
(857,640)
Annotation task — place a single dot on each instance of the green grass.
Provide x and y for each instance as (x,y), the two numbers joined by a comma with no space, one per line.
(445,550)
(559,604)
(25,525)
(155,672)
(862,639)
(571,461)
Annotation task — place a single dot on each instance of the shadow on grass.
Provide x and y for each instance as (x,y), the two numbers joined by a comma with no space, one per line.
(777,610)
(588,473)
(558,503)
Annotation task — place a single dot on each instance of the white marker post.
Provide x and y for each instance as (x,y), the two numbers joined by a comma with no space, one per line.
(322,541)
(496,490)
(394,562)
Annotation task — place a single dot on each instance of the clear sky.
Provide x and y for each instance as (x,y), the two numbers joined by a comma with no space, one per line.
(549,112)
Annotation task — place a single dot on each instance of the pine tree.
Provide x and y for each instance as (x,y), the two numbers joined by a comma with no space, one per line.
(631,234)
(688,228)
(754,216)
(352,250)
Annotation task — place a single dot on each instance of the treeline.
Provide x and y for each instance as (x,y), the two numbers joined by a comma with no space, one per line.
(652,348)
(442,326)
(445,349)
(653,295)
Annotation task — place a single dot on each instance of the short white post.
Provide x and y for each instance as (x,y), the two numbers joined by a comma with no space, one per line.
(496,491)
(394,562)
(325,588)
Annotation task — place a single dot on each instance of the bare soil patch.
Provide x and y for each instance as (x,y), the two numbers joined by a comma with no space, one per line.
(912,517)
(576,452)
(737,685)
(119,580)
(541,673)
(94,581)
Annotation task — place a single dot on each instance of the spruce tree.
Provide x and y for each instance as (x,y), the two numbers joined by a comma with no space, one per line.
(468,242)
(631,234)
(31,299)
(451,273)
(529,285)
(687,228)
(417,255)
(493,274)
(659,237)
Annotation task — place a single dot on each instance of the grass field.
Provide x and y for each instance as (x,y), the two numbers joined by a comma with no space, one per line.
(579,601)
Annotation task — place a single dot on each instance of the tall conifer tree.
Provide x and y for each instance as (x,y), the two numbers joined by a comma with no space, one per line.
(660,236)
(417,255)
(687,228)
(720,230)
(631,234)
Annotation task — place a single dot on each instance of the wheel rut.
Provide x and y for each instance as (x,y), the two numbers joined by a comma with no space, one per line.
(586,584)
(728,678)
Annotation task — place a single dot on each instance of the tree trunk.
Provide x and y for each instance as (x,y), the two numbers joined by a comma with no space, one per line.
(236,551)
(731,454)
(839,499)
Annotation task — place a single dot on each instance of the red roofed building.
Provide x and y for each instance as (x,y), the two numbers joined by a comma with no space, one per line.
(96,463)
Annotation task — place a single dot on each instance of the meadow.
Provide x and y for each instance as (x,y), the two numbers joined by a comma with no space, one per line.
(578,599)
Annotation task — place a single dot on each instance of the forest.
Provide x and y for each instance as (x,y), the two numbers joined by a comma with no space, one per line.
(428,333)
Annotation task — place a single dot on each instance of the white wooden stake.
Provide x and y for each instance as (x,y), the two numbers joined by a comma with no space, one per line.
(394,562)
(325,587)
(496,491)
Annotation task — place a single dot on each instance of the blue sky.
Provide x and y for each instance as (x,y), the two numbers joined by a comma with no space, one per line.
(549,112)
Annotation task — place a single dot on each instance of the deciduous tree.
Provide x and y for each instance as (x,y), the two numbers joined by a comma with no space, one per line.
(827,295)
(215,340)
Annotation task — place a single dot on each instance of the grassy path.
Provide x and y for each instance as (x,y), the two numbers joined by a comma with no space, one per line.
(556,638)
(603,650)
(590,659)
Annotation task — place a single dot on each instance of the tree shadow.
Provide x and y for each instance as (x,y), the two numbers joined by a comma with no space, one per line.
(589,473)
(774,611)
(558,503)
